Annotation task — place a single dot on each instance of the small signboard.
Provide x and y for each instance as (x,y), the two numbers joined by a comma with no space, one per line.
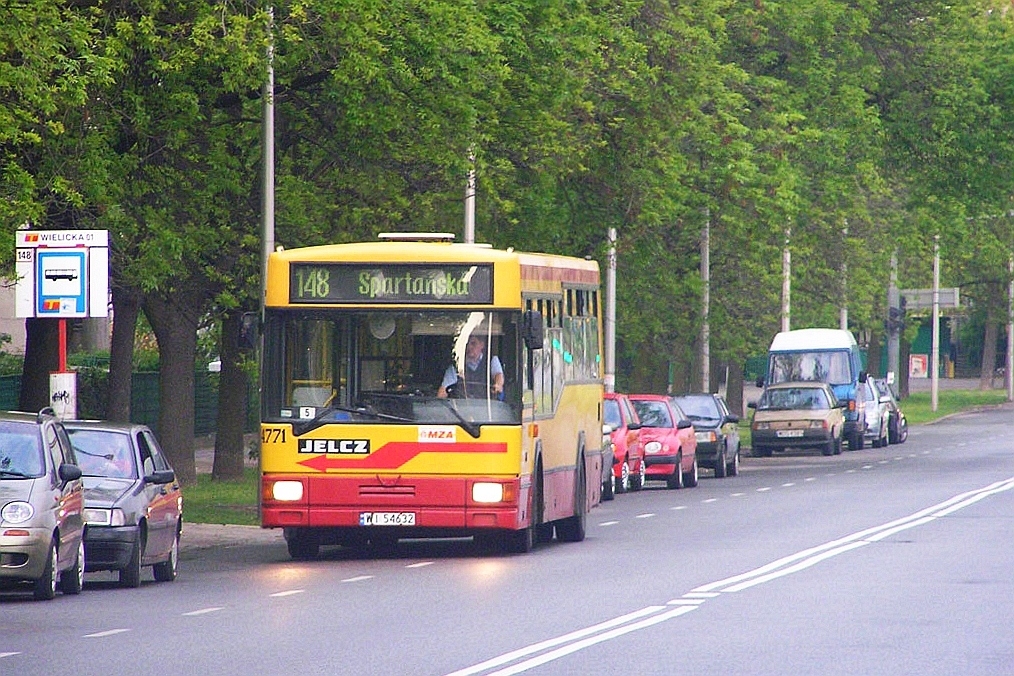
(62,273)
(922,299)
(918,366)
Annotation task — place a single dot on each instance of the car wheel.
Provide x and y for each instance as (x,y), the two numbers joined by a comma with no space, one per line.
(609,487)
(623,483)
(690,479)
(837,445)
(856,442)
(131,575)
(71,581)
(828,448)
(734,465)
(45,587)
(675,480)
(637,480)
(165,571)
(720,465)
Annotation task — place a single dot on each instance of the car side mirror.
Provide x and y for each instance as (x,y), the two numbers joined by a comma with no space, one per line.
(733,418)
(160,477)
(683,424)
(751,404)
(760,381)
(863,376)
(633,426)
(69,472)
(607,428)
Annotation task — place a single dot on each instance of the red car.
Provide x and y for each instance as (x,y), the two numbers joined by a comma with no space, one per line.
(628,454)
(669,440)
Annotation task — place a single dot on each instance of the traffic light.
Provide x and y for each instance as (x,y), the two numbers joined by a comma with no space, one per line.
(896,317)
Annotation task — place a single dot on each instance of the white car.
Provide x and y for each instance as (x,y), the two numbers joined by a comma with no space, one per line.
(878,416)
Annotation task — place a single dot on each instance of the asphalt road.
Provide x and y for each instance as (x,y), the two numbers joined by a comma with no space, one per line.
(881,561)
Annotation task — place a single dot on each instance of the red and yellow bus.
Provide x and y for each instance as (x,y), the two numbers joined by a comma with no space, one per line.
(378,423)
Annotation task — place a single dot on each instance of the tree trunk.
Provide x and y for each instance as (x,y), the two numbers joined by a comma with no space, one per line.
(175,327)
(734,388)
(232,389)
(42,356)
(988,368)
(126,306)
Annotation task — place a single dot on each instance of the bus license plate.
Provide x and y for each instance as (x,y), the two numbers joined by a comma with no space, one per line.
(387,518)
(790,433)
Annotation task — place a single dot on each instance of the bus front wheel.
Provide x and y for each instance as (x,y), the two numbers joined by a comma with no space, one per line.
(302,543)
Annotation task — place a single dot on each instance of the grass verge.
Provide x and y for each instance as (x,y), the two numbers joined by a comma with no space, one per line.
(228,502)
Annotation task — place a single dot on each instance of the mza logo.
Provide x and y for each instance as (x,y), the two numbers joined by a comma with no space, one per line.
(436,435)
(343,446)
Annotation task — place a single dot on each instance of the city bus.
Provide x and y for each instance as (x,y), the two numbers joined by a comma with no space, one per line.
(376,425)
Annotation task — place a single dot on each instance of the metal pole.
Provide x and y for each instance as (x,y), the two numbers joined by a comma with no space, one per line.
(470,200)
(935,351)
(706,303)
(894,329)
(268,160)
(1010,330)
(610,380)
(843,319)
(786,280)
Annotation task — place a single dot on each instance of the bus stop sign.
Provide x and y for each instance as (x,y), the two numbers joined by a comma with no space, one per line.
(62,273)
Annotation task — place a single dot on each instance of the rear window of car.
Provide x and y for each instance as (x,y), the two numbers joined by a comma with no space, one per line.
(21,450)
(611,413)
(700,407)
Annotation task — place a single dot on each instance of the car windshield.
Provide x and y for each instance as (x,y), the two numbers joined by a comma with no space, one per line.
(20,451)
(653,413)
(783,398)
(103,453)
(700,408)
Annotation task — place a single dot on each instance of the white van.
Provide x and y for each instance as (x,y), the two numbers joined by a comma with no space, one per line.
(825,355)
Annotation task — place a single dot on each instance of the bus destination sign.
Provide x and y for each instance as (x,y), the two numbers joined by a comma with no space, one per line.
(373,283)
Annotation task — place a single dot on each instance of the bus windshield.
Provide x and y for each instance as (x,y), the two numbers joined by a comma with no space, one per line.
(390,367)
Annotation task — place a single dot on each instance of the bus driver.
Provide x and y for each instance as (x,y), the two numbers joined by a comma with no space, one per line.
(473,381)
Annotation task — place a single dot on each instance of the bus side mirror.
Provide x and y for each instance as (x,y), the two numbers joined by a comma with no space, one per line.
(532,329)
(249,330)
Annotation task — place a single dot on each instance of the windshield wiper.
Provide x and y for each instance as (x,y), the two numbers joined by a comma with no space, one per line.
(20,475)
(472,428)
(302,427)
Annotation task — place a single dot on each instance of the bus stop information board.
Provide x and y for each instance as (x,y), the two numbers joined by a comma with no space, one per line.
(62,273)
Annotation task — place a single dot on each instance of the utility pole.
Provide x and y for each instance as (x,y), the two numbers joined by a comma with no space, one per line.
(786,279)
(268,160)
(935,352)
(895,322)
(610,380)
(1009,371)
(706,302)
(470,199)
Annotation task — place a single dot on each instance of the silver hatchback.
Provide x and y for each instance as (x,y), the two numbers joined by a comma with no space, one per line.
(41,506)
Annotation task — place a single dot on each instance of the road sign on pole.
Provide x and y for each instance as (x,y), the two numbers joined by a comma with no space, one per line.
(922,299)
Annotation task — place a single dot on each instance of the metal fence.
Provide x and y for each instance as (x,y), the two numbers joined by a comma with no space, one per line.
(93,388)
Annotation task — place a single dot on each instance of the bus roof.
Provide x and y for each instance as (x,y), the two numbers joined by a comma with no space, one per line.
(813,339)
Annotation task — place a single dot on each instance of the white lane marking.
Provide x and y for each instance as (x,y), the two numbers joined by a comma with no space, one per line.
(867,466)
(810,478)
(788,485)
(288,592)
(762,490)
(202,611)
(644,516)
(103,634)
(2,655)
(678,508)
(421,564)
(609,523)
(883,462)
(591,640)
(358,578)
(738,495)
(900,457)
(709,500)
(583,638)
(549,643)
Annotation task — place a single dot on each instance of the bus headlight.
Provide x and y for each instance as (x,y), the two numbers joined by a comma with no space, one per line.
(287,491)
(483,491)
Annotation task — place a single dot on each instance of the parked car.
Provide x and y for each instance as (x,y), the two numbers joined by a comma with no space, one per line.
(133,503)
(629,470)
(41,506)
(670,445)
(877,414)
(797,415)
(717,431)
(897,425)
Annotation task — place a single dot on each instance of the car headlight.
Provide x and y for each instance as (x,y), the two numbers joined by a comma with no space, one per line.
(653,447)
(706,437)
(105,517)
(17,512)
